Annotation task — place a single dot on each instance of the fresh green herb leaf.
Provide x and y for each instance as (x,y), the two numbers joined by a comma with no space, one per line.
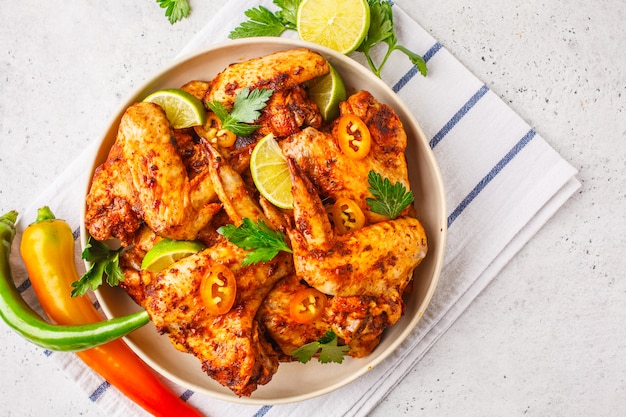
(263,22)
(264,242)
(390,199)
(175,9)
(104,261)
(382,30)
(246,109)
(327,347)
(288,13)
(306,352)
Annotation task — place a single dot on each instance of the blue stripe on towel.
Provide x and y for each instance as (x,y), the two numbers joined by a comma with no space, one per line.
(413,71)
(459,115)
(491,175)
(262,411)
(186,395)
(99,391)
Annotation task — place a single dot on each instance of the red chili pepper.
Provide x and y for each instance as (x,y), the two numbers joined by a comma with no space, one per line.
(47,249)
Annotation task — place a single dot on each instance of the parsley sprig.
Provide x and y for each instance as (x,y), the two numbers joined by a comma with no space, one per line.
(104,261)
(175,10)
(263,242)
(381,30)
(246,109)
(263,22)
(389,199)
(327,347)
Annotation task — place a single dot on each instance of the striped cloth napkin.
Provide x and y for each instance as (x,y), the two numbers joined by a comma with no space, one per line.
(503,182)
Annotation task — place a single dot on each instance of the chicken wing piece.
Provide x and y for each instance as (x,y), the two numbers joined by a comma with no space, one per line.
(373,260)
(230,346)
(288,111)
(276,320)
(111,201)
(231,189)
(337,176)
(278,71)
(358,321)
(172,205)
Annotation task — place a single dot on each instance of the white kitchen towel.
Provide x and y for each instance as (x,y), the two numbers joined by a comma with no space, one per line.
(503,182)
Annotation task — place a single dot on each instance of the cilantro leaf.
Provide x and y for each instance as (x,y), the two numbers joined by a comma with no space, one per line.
(104,261)
(306,352)
(175,9)
(327,347)
(263,22)
(390,199)
(288,13)
(264,242)
(246,109)
(382,30)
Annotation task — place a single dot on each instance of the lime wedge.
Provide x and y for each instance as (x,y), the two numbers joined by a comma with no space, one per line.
(181,108)
(270,172)
(337,24)
(327,92)
(167,251)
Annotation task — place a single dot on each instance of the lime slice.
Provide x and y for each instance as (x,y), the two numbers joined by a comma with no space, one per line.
(327,92)
(338,24)
(270,172)
(167,251)
(181,108)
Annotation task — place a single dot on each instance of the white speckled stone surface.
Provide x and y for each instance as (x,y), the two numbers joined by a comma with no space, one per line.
(547,337)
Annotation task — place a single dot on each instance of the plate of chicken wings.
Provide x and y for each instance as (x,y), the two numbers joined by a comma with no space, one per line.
(152,182)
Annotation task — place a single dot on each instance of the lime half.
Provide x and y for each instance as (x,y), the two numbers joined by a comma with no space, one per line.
(270,172)
(327,92)
(181,108)
(337,24)
(167,251)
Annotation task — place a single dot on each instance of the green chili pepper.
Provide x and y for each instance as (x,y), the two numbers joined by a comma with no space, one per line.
(19,316)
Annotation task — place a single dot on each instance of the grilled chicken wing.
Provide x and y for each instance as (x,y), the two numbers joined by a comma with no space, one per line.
(358,321)
(147,166)
(337,176)
(112,201)
(230,346)
(278,72)
(370,261)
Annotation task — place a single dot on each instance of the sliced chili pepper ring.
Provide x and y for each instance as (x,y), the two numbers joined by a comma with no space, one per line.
(218,289)
(306,305)
(353,136)
(347,215)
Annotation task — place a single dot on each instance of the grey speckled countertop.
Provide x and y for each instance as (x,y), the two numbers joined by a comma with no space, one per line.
(547,336)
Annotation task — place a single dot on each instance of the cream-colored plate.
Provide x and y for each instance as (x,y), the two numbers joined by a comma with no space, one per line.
(294,381)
